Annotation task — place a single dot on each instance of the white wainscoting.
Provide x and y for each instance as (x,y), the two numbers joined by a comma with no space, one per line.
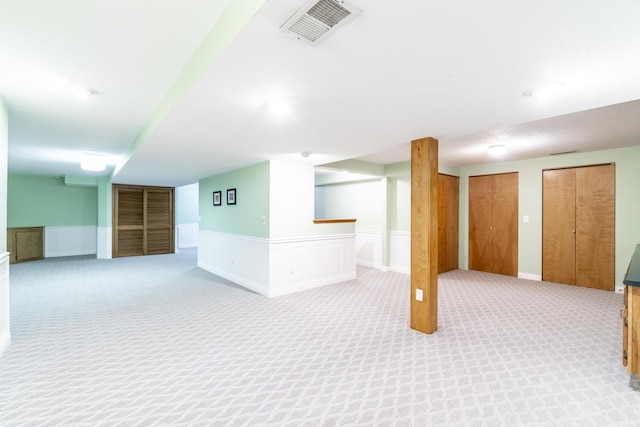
(400,252)
(243,260)
(369,248)
(105,242)
(187,235)
(279,266)
(305,263)
(5,330)
(69,241)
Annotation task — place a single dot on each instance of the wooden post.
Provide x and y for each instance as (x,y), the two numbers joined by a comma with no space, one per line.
(424,235)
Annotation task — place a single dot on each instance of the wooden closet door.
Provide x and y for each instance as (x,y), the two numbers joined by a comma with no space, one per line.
(504,244)
(448,218)
(143,220)
(480,220)
(595,227)
(559,226)
(159,220)
(128,222)
(453,220)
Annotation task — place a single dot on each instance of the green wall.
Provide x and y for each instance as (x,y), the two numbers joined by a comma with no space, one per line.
(36,201)
(530,203)
(252,204)
(363,200)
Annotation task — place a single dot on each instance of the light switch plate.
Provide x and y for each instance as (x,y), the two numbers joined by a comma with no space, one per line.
(419,294)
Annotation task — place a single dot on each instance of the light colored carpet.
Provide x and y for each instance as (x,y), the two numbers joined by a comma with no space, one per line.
(157,341)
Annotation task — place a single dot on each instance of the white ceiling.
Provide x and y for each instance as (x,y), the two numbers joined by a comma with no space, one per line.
(453,70)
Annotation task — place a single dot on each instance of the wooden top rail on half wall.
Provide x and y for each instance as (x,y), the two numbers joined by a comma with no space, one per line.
(333,221)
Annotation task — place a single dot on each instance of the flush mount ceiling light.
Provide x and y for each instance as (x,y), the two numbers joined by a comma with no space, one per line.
(279,108)
(93,162)
(497,150)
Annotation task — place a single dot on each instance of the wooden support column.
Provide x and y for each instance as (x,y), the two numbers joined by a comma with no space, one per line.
(424,235)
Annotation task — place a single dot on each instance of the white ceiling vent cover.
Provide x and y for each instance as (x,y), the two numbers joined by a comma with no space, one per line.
(317,19)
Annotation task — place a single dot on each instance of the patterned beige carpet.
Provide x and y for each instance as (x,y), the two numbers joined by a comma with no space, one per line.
(157,341)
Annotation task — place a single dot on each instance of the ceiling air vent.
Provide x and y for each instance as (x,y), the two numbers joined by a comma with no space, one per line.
(317,19)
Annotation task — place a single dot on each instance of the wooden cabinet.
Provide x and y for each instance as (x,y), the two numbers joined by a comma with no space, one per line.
(493,223)
(578,226)
(143,220)
(448,215)
(25,244)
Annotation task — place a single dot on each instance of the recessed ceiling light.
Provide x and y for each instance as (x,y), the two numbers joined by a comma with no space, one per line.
(497,150)
(93,162)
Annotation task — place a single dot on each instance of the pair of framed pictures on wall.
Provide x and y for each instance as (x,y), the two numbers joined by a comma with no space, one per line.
(231,197)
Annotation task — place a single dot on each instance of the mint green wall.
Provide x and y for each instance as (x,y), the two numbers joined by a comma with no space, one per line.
(244,218)
(400,203)
(530,203)
(363,200)
(187,198)
(35,201)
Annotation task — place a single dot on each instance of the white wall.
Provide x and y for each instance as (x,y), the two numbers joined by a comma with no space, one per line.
(5,332)
(291,199)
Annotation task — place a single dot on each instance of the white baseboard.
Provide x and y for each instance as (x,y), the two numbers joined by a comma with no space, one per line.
(400,269)
(529,276)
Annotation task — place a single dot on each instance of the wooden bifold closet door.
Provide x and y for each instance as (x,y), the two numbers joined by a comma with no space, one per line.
(578,226)
(143,220)
(493,223)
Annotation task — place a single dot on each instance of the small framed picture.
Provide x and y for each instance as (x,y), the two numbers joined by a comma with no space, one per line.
(231,196)
(217,198)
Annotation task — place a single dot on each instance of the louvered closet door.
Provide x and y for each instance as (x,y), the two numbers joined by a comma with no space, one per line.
(128,222)
(159,222)
(143,220)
